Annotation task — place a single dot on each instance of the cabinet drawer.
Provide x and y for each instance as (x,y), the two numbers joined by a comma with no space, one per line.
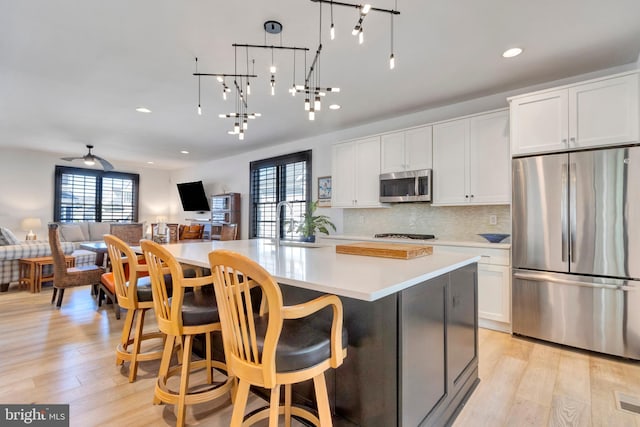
(487,255)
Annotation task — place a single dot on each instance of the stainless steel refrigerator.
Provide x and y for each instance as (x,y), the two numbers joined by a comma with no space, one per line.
(576,249)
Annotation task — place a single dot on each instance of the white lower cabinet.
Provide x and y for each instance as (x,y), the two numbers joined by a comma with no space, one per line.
(494,284)
(494,292)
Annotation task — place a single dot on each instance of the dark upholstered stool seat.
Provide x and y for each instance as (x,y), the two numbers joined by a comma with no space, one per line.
(199,308)
(302,343)
(144,285)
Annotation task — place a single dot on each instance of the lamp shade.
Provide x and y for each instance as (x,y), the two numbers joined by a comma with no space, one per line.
(29,224)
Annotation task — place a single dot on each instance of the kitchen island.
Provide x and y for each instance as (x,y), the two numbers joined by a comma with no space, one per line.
(412,325)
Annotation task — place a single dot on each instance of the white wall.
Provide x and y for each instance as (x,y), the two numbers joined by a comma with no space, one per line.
(232,173)
(27,188)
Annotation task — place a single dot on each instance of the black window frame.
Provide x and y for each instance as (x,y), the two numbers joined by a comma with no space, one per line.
(280,162)
(100,175)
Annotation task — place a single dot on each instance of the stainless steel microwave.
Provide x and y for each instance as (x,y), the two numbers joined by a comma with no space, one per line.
(406,186)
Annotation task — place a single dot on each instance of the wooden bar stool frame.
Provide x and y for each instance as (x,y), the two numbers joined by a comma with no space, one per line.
(243,357)
(126,282)
(169,318)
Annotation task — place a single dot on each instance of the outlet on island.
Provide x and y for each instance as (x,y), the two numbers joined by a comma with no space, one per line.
(493,220)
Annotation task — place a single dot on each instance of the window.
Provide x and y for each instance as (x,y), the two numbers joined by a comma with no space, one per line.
(93,195)
(283,178)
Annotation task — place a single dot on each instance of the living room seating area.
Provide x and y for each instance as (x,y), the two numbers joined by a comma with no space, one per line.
(72,235)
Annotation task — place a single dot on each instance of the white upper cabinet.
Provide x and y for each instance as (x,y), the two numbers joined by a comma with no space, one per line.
(489,159)
(598,113)
(471,161)
(356,174)
(407,150)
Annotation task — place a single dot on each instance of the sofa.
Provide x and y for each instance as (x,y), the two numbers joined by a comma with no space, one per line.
(72,235)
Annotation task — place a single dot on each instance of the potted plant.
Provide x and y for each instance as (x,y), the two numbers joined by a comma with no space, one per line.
(311,223)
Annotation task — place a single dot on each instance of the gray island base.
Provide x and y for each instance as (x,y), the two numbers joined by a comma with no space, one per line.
(412,358)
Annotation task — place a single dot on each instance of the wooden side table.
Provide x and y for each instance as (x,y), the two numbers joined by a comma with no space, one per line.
(31,271)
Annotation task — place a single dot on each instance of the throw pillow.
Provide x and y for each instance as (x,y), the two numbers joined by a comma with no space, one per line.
(72,233)
(7,237)
(97,230)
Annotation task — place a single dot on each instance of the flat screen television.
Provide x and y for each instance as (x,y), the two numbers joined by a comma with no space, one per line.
(193,197)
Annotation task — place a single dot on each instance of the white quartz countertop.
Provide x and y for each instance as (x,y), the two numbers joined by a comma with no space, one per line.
(434,242)
(322,269)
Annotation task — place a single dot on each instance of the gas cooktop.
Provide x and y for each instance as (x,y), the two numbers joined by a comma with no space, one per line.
(405,236)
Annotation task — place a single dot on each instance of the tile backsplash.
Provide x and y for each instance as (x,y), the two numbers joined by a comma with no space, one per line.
(446,223)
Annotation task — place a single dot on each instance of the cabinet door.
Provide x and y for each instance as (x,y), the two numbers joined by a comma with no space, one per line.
(494,292)
(423,381)
(418,147)
(343,175)
(604,112)
(539,122)
(367,169)
(450,162)
(393,155)
(462,321)
(489,159)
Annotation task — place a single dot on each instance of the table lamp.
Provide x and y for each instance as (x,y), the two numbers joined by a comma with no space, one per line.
(28,224)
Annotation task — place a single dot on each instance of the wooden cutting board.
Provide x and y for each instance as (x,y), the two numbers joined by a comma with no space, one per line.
(385,250)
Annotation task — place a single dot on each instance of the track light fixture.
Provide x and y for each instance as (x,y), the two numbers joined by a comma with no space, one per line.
(312,89)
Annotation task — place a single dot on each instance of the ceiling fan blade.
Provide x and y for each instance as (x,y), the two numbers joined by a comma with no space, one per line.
(105,164)
(69,159)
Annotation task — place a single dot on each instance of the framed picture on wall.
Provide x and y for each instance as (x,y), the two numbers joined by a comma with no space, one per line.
(324,191)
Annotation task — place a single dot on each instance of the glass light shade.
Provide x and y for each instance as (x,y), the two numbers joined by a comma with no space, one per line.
(248,88)
(306,104)
(360,37)
(316,104)
(199,110)
(366,8)
(312,115)
(332,32)
(241,136)
(272,69)
(220,79)
(392,62)
(89,162)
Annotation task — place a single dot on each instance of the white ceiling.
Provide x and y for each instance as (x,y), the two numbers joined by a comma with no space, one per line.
(72,72)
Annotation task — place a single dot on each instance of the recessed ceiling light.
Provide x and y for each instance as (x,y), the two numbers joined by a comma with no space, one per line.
(334,107)
(184,152)
(510,53)
(143,110)
(149,163)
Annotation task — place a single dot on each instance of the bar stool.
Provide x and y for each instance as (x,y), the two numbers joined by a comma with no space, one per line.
(181,317)
(266,351)
(132,289)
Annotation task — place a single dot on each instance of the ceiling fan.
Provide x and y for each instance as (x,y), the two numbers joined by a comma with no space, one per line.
(90,159)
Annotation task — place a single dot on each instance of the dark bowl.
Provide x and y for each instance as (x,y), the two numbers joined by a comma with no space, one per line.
(494,237)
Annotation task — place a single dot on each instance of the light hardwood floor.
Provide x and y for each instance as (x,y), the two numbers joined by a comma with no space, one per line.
(67,356)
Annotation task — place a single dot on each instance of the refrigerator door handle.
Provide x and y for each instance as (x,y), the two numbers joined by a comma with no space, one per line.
(573,256)
(541,277)
(563,211)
